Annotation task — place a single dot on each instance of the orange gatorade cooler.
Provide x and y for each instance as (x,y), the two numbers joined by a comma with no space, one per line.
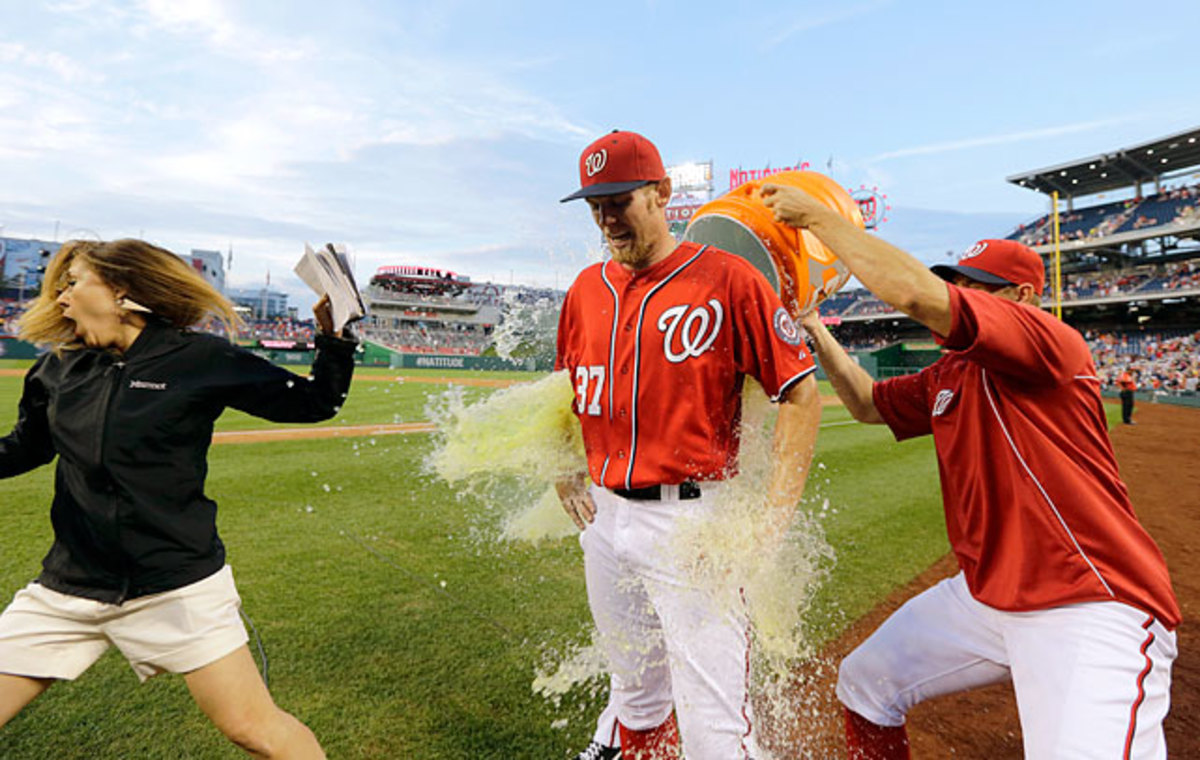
(798,265)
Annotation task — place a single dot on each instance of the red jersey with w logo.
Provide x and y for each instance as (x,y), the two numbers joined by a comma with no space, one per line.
(658,357)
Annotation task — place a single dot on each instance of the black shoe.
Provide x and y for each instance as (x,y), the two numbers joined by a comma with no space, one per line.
(598,751)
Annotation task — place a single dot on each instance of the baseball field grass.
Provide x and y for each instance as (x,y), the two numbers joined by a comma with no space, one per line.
(393,624)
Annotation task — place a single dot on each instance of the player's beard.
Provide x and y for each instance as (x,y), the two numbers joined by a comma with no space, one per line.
(640,249)
(636,255)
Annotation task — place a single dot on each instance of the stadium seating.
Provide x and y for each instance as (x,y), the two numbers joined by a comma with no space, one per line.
(10,311)
(1167,207)
(1178,276)
(1166,363)
(421,338)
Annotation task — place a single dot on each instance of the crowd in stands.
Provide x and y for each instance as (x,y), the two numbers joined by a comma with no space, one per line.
(873,342)
(9,313)
(278,329)
(499,296)
(432,338)
(380,293)
(1178,205)
(256,331)
(1161,363)
(251,331)
(1147,278)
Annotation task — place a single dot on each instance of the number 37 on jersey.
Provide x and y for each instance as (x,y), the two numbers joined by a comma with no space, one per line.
(589,386)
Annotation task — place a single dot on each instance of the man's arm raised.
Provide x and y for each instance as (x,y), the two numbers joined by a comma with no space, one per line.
(892,275)
(851,382)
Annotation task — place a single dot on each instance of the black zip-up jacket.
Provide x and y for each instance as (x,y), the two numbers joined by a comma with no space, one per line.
(132,434)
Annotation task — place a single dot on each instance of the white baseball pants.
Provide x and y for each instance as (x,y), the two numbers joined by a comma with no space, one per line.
(606,731)
(669,643)
(1092,680)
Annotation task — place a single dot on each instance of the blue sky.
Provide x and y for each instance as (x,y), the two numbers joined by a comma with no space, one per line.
(444,133)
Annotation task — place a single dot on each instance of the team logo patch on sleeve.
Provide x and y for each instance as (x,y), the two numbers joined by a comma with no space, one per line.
(786,328)
(942,402)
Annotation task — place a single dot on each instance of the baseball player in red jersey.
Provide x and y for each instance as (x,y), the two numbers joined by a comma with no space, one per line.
(1061,590)
(658,341)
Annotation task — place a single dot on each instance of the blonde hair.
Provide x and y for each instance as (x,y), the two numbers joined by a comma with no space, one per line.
(150,276)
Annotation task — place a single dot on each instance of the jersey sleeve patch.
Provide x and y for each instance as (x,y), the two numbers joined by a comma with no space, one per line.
(785,327)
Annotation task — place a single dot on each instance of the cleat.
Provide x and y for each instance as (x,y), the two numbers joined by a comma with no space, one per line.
(598,751)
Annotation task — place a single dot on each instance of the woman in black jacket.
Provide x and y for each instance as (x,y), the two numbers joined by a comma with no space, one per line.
(126,399)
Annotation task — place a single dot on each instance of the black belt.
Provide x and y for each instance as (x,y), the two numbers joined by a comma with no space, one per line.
(687,490)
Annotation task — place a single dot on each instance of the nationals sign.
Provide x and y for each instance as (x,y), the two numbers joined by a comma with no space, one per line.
(740,176)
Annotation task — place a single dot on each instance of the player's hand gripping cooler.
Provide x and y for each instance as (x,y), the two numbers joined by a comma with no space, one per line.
(798,265)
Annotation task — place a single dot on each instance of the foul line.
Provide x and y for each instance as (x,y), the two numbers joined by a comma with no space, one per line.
(358,431)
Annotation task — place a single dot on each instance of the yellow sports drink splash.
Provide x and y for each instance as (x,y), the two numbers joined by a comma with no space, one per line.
(526,431)
(530,432)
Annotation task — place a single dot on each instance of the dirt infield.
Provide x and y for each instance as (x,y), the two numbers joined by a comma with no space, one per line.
(1158,459)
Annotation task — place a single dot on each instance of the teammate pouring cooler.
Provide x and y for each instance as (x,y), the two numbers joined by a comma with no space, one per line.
(1061,590)
(658,341)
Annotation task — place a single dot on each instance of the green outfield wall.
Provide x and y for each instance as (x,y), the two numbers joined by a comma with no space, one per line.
(11,348)
(892,361)
(376,355)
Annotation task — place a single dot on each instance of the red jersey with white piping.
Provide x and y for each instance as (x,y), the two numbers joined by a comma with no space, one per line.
(1036,511)
(658,358)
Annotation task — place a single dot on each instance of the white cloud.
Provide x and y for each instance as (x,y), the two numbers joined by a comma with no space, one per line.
(214,23)
(817,20)
(1004,139)
(206,16)
(64,67)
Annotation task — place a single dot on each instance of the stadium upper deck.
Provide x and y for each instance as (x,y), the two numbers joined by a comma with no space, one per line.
(1154,220)
(1140,252)
(427,310)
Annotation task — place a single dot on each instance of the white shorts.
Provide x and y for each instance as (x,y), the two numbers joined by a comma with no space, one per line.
(1092,680)
(45,634)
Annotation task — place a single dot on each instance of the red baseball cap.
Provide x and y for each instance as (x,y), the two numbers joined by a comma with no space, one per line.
(998,262)
(617,163)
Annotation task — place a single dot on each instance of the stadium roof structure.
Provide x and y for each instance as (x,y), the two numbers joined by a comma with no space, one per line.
(1146,162)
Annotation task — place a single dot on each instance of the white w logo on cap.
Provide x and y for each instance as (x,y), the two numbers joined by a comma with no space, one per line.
(595,163)
(973,251)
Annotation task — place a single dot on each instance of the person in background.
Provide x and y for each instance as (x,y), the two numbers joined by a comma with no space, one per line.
(1128,386)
